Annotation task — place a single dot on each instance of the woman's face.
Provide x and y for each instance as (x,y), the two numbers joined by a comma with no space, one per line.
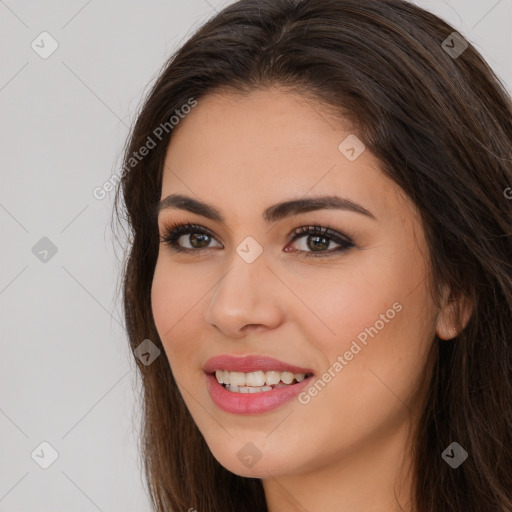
(359,319)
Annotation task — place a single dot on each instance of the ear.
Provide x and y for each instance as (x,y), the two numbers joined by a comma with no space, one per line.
(454,310)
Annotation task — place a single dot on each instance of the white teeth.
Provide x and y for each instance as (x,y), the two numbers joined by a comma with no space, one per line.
(272,378)
(287,377)
(247,382)
(247,389)
(255,379)
(236,378)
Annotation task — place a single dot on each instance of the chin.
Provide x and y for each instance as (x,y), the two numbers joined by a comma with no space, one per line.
(246,459)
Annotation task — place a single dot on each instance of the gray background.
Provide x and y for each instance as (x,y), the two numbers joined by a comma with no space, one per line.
(66,376)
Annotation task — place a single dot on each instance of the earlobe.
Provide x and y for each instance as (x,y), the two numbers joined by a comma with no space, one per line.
(453,316)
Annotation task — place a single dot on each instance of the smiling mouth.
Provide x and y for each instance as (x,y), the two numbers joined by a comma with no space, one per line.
(258,381)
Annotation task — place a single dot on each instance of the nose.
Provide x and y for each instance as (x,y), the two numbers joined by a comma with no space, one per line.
(247,298)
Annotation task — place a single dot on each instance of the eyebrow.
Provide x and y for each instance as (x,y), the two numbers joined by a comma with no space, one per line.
(272,214)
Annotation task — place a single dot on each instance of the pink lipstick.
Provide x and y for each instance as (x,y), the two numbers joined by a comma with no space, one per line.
(253,384)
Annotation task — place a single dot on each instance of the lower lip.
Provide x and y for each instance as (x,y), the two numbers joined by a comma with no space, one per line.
(252,403)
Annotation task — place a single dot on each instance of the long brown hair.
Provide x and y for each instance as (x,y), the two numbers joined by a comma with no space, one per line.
(441,125)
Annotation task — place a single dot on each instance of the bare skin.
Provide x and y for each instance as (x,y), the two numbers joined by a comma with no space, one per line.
(346,448)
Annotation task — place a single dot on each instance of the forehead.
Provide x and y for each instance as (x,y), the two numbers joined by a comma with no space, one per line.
(259,148)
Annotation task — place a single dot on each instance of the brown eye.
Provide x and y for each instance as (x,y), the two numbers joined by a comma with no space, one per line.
(318,239)
(197,237)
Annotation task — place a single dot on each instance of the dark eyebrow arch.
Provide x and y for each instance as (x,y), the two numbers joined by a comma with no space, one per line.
(272,214)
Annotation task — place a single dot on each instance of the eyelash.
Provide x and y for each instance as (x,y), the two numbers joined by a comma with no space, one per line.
(175,231)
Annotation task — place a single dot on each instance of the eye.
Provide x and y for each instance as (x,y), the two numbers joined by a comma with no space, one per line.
(198,237)
(317,239)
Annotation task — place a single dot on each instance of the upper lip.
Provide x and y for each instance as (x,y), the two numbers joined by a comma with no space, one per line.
(250,363)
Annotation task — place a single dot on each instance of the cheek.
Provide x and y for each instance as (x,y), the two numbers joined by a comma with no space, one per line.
(163,299)
(377,315)
(174,303)
(347,303)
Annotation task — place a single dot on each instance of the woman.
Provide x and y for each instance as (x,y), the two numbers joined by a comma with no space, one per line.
(376,373)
